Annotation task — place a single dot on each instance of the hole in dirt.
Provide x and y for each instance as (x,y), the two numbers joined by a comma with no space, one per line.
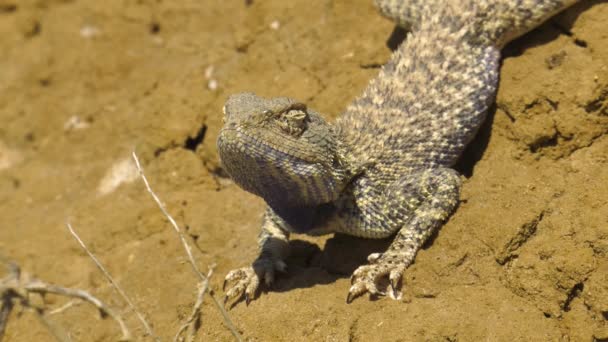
(154,27)
(192,143)
(580,42)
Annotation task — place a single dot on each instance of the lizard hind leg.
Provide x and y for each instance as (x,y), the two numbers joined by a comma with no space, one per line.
(424,201)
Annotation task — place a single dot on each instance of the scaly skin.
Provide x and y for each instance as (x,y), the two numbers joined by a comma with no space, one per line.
(383,168)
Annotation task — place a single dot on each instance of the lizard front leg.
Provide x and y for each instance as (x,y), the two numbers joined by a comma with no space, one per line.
(423,201)
(274,248)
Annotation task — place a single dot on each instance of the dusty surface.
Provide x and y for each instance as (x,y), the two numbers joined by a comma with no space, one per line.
(82,83)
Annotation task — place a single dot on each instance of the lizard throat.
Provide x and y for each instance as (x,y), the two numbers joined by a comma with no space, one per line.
(280,178)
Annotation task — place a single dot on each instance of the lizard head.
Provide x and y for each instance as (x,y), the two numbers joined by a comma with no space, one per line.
(281,151)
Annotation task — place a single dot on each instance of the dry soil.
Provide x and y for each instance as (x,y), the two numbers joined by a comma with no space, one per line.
(83,83)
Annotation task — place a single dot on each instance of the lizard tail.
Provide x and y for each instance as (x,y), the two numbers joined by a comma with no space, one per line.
(490,22)
(501,21)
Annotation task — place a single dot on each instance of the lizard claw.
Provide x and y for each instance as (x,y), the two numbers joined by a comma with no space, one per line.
(246,280)
(247,299)
(366,278)
(394,285)
(246,283)
(349,298)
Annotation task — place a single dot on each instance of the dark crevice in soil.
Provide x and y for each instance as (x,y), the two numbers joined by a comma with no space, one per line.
(191,143)
(507,259)
(371,66)
(352,329)
(507,112)
(574,292)
(164,149)
(544,143)
(524,234)
(593,140)
(554,104)
(598,103)
(548,141)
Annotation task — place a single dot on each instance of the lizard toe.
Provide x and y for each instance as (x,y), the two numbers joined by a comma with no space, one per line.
(368,278)
(246,283)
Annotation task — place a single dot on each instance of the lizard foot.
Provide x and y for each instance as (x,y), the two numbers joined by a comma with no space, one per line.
(247,279)
(367,278)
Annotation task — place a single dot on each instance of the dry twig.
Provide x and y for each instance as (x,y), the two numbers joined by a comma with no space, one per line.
(118,289)
(17,286)
(195,315)
(204,281)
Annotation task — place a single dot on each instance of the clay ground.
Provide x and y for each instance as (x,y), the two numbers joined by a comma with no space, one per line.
(83,83)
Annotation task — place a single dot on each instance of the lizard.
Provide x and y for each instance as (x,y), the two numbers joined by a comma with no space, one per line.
(384,167)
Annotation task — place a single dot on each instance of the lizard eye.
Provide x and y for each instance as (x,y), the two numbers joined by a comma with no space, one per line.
(293,121)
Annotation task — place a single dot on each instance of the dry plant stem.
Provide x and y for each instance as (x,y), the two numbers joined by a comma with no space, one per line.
(18,286)
(5,293)
(43,288)
(118,289)
(64,307)
(191,259)
(170,218)
(5,311)
(54,329)
(196,311)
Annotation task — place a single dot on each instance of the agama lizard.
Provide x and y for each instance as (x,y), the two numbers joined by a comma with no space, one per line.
(384,166)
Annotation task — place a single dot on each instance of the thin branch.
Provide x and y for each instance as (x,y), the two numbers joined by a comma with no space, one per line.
(18,286)
(64,307)
(5,311)
(57,331)
(188,250)
(37,286)
(118,289)
(196,310)
(170,218)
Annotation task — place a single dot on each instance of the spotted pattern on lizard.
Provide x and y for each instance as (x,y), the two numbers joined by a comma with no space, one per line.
(383,167)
